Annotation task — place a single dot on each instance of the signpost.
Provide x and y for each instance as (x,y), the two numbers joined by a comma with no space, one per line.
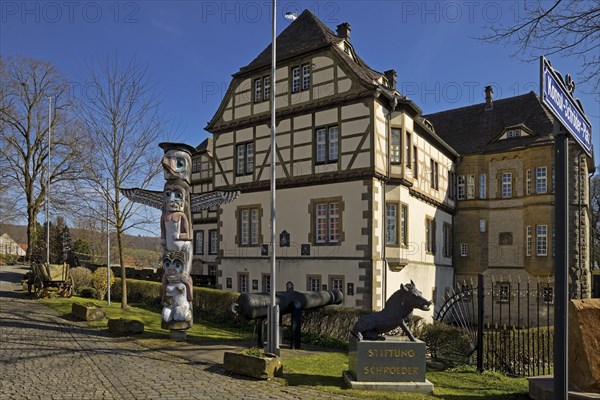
(557,96)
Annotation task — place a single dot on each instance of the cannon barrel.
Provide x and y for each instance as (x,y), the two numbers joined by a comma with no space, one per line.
(256,305)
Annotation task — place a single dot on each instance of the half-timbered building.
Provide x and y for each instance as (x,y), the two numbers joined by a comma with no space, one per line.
(364,185)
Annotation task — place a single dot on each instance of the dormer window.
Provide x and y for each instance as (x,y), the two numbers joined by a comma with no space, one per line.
(515,131)
(511,133)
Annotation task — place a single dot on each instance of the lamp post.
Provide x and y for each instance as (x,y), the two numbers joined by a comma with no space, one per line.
(273,336)
(107,243)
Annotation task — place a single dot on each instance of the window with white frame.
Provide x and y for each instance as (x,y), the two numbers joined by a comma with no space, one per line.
(245,158)
(295,79)
(212,270)
(249,226)
(327,145)
(243,283)
(548,295)
(266,87)
(391,224)
(300,78)
(213,238)
(470,186)
(266,283)
(482,186)
(464,250)
(199,242)
(327,222)
(504,292)
(395,146)
(540,180)
(528,182)
(305,76)
(460,187)
(541,237)
(506,185)
(258,90)
(313,283)
(336,283)
(404,224)
(529,240)
(552,180)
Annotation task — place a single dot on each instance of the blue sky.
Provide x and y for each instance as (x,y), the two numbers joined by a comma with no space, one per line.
(193,47)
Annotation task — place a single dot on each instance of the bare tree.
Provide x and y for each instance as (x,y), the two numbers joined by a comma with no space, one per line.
(564,27)
(26,87)
(124,125)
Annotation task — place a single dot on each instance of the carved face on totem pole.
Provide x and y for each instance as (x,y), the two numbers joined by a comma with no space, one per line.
(177,161)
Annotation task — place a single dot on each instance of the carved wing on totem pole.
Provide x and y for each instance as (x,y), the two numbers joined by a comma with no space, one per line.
(198,202)
(212,199)
(148,197)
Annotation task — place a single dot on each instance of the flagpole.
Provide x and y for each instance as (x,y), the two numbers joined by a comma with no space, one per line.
(273,337)
(48,183)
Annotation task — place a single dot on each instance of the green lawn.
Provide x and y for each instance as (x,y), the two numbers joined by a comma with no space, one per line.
(325,370)
(201,331)
(322,369)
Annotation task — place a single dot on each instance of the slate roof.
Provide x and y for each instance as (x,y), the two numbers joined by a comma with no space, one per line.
(473,129)
(205,146)
(305,34)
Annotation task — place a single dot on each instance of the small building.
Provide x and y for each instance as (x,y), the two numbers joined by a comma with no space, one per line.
(9,246)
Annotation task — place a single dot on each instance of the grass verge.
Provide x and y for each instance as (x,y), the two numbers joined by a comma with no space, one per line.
(202,331)
(321,370)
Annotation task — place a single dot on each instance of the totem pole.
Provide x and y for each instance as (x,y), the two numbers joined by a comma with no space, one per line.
(177,204)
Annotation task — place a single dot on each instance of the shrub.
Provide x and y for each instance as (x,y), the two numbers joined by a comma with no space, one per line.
(209,304)
(447,342)
(99,282)
(332,322)
(87,292)
(81,277)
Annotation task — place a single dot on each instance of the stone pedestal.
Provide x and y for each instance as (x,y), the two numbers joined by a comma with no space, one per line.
(178,329)
(394,364)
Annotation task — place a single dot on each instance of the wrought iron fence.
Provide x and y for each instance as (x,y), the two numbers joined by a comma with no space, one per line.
(509,324)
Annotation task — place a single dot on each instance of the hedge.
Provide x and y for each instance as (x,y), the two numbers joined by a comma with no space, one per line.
(209,304)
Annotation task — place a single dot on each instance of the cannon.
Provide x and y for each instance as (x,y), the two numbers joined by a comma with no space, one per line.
(252,306)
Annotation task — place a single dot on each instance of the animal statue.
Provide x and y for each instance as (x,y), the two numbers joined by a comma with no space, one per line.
(397,310)
(179,310)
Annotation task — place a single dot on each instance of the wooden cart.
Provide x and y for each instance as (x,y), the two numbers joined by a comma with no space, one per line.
(45,276)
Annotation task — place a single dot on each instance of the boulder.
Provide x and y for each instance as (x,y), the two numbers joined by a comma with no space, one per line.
(87,312)
(584,344)
(123,326)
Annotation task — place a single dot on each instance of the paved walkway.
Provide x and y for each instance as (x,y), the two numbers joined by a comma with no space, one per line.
(43,356)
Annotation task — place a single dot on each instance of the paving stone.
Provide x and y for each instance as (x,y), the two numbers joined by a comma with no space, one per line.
(47,357)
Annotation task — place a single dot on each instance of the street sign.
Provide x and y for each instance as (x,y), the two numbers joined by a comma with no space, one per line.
(561,103)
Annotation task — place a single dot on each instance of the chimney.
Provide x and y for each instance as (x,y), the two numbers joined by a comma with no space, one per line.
(343,31)
(391,77)
(489,101)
